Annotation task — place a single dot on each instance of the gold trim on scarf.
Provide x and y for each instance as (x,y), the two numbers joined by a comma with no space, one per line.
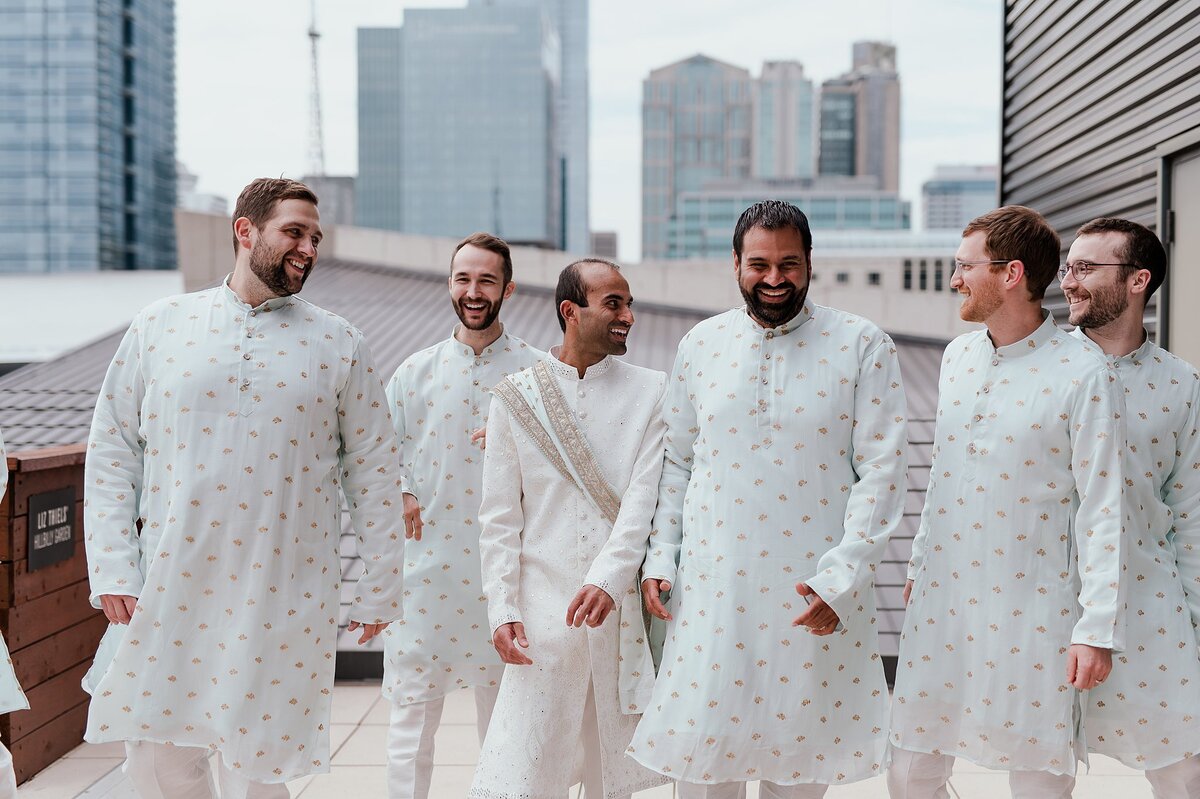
(511,396)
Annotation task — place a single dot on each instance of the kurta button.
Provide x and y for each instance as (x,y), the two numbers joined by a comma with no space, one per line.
(770,334)
(249,334)
(254,313)
(246,357)
(986,389)
(996,362)
(583,415)
(476,382)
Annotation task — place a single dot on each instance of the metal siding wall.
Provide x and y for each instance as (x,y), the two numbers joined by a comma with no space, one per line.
(1091,87)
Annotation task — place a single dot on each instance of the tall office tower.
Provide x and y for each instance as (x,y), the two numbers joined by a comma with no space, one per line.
(569,19)
(784,144)
(87,136)
(456,121)
(696,128)
(860,118)
(957,194)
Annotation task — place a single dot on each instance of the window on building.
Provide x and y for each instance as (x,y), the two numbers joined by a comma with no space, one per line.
(843,278)
(937,275)
(907,275)
(874,279)
(924,279)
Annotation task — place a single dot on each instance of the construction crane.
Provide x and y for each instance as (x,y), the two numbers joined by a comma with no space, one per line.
(316,135)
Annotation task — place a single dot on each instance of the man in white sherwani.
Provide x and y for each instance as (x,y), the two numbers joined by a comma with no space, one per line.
(784,477)
(226,424)
(1147,713)
(439,399)
(1015,587)
(574,454)
(11,696)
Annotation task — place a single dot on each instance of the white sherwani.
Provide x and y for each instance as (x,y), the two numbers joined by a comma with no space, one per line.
(1147,713)
(439,397)
(11,696)
(1018,555)
(226,431)
(542,541)
(785,464)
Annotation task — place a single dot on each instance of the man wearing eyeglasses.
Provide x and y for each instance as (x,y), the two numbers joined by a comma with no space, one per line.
(1145,714)
(1015,595)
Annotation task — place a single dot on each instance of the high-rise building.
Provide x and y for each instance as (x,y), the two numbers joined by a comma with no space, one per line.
(957,194)
(87,136)
(335,196)
(570,21)
(696,128)
(860,118)
(604,244)
(784,144)
(456,121)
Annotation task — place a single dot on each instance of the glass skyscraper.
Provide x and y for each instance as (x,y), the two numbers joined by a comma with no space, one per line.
(87,135)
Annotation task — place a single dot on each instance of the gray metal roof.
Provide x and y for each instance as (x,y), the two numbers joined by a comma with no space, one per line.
(400,312)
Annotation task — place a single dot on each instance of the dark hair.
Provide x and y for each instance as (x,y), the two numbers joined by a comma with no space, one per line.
(1017,233)
(571,286)
(486,241)
(258,200)
(1142,248)
(771,215)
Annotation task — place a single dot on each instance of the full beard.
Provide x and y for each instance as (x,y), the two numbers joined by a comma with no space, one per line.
(490,314)
(980,304)
(774,314)
(1103,307)
(270,269)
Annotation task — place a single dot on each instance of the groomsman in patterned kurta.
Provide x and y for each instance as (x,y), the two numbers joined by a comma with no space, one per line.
(11,696)
(1015,590)
(1147,714)
(229,426)
(784,477)
(439,398)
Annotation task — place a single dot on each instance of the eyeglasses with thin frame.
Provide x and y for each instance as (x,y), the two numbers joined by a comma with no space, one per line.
(1081,269)
(967,266)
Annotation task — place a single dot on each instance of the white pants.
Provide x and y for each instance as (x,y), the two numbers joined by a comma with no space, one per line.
(1177,781)
(737,790)
(162,771)
(919,775)
(8,777)
(410,741)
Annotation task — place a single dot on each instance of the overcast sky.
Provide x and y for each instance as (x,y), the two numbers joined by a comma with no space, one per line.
(243,77)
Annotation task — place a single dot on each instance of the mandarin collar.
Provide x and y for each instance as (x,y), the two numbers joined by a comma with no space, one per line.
(498,345)
(801,318)
(1043,333)
(273,304)
(1136,357)
(568,372)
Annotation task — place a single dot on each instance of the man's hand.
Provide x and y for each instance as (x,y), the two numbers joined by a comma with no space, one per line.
(652,591)
(818,617)
(480,436)
(907,592)
(412,518)
(1088,666)
(592,604)
(369,631)
(507,638)
(118,608)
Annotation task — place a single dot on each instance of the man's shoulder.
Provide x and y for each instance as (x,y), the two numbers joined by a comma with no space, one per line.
(423,357)
(167,307)
(845,324)
(1177,368)
(334,323)
(713,325)
(639,374)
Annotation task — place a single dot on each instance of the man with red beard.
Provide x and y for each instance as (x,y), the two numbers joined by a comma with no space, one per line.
(439,398)
(783,478)
(229,425)
(1145,713)
(1015,586)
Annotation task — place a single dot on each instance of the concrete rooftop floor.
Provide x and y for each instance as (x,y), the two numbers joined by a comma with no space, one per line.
(358,737)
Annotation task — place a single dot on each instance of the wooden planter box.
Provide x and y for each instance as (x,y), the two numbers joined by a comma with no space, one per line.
(51,630)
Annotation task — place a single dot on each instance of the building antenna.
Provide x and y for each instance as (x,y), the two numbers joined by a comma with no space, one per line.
(316,136)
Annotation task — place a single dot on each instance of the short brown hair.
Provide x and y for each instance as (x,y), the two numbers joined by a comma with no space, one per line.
(495,244)
(1142,248)
(1017,233)
(258,200)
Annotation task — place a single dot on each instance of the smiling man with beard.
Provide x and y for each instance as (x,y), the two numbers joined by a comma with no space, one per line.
(230,423)
(439,398)
(1145,713)
(784,476)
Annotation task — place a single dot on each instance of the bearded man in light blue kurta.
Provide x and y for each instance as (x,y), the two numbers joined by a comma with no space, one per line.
(229,425)
(1016,572)
(11,696)
(784,476)
(1147,714)
(439,399)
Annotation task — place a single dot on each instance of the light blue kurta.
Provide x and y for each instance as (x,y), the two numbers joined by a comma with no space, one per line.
(11,696)
(439,397)
(786,459)
(1018,555)
(228,431)
(1147,713)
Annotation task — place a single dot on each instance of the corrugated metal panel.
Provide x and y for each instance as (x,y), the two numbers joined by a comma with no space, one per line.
(399,313)
(1091,88)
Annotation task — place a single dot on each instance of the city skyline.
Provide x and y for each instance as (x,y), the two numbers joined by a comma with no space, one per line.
(948,56)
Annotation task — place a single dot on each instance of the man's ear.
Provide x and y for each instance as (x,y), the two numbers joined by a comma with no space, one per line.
(1014,271)
(509,289)
(1141,281)
(567,309)
(737,263)
(243,229)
